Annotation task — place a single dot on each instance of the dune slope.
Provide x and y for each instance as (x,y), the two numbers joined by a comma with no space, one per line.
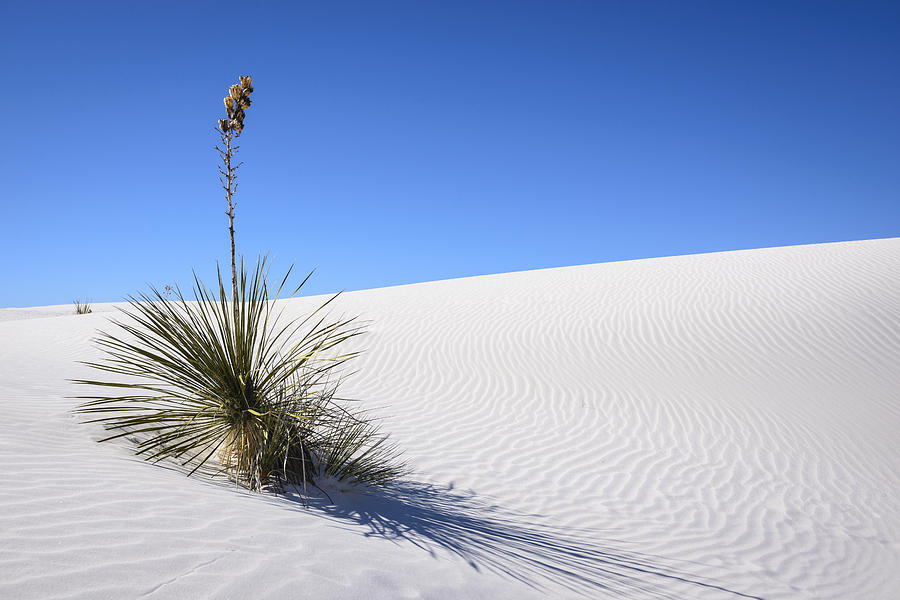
(708,426)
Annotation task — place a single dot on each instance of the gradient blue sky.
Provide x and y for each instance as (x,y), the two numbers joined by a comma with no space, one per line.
(397,142)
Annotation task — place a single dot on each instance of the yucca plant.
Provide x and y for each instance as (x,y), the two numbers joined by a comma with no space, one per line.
(237,386)
(230,383)
(82,307)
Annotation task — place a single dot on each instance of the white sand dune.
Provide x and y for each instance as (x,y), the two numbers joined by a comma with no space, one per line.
(710,426)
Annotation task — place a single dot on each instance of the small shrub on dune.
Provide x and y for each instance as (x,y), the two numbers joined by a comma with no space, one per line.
(237,386)
(82,307)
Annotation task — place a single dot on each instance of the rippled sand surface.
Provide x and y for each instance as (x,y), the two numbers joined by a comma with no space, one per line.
(708,426)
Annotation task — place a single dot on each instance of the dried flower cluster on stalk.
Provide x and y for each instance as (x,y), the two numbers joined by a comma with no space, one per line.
(236,102)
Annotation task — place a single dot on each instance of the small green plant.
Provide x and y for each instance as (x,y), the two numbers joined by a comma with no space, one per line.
(240,388)
(82,307)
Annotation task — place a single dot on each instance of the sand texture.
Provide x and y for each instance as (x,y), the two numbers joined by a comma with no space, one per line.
(718,426)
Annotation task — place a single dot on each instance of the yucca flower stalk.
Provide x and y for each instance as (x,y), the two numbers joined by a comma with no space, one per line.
(229,128)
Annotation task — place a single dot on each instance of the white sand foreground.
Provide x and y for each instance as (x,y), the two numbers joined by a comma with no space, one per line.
(712,426)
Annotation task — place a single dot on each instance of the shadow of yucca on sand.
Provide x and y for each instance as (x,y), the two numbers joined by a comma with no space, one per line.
(512,544)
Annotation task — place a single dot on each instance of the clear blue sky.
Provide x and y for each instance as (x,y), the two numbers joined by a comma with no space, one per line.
(397,142)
